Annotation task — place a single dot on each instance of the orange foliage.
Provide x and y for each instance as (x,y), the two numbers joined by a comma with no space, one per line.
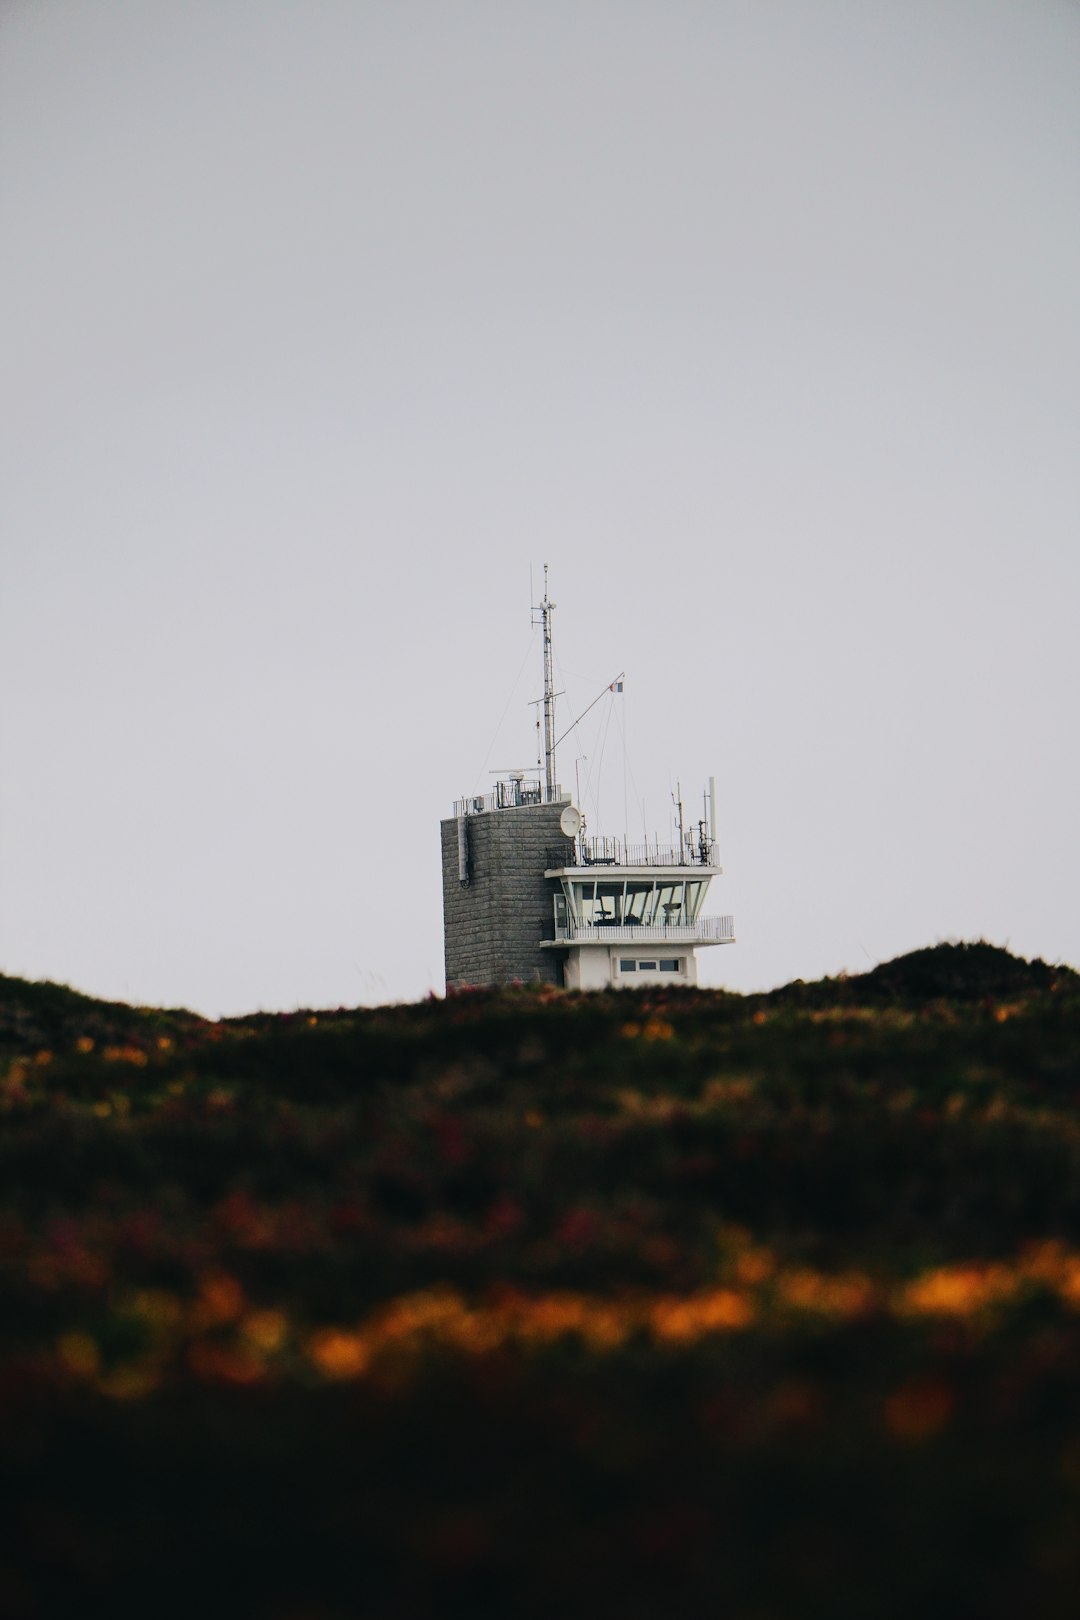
(958,1290)
(221,1299)
(337,1353)
(687,1320)
(846,1294)
(657,1029)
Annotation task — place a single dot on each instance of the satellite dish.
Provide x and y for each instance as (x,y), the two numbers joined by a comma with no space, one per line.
(570,821)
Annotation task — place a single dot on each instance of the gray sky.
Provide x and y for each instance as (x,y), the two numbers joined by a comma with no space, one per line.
(757,319)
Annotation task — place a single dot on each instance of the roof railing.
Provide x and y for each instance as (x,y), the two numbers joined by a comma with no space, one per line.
(618,852)
(510,794)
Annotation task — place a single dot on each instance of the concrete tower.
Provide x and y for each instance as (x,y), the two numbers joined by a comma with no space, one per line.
(498,912)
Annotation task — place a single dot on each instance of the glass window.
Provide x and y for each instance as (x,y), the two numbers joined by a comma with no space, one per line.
(609,898)
(585,895)
(646,967)
(634,911)
(627,966)
(670,964)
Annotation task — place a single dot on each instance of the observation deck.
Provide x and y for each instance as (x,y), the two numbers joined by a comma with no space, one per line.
(705,931)
(591,852)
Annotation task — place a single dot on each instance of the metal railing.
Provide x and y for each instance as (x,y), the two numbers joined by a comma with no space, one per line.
(617,852)
(509,795)
(706,931)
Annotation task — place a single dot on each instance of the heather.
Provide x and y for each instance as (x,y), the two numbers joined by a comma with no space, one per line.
(530,1303)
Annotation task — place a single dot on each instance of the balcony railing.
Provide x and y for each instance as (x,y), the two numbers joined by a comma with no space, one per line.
(617,852)
(508,795)
(706,931)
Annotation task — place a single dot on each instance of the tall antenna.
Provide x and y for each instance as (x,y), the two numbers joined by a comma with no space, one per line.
(545,610)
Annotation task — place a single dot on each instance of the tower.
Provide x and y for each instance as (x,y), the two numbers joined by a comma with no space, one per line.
(526,895)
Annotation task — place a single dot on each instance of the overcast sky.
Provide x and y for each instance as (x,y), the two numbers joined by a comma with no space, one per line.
(322,322)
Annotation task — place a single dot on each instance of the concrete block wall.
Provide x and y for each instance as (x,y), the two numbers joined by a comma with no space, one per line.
(492,927)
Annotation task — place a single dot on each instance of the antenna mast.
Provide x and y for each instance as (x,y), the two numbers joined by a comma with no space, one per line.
(546,609)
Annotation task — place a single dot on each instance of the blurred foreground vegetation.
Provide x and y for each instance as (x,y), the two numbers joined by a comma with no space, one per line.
(523,1303)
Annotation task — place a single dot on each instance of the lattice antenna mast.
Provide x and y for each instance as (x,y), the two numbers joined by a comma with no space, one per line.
(545,610)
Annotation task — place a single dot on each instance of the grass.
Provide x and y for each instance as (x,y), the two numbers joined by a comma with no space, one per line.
(525,1303)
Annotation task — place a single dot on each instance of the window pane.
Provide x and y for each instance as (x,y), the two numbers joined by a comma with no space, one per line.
(669,964)
(646,967)
(608,902)
(635,903)
(586,903)
(627,967)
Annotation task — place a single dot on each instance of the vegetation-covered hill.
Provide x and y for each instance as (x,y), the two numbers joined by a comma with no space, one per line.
(535,1304)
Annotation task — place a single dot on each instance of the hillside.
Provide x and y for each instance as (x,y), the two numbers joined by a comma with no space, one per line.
(525,1303)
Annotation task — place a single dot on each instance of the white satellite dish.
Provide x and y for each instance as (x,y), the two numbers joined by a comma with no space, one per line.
(570,821)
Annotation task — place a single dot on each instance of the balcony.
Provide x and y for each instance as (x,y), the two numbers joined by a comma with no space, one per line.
(591,852)
(706,931)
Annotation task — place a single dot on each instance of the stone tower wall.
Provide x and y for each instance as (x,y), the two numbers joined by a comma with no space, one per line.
(492,927)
